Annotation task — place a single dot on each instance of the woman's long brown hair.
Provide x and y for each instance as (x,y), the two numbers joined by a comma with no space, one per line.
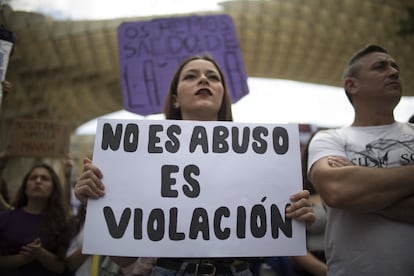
(56,215)
(224,113)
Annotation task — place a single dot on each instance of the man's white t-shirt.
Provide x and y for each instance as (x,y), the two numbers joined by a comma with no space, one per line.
(366,243)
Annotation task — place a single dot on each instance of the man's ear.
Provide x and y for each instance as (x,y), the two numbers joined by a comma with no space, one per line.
(351,85)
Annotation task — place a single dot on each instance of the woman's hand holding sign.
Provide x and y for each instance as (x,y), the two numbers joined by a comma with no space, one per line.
(89,184)
(301,208)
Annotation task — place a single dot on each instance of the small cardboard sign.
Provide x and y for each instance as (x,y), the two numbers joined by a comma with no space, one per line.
(39,138)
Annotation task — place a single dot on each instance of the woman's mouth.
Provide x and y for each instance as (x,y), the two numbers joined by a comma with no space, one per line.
(204,91)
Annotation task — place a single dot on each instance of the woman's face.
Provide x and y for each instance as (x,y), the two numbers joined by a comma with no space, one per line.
(39,184)
(199,91)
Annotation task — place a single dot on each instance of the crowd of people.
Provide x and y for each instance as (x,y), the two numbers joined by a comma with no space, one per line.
(357,201)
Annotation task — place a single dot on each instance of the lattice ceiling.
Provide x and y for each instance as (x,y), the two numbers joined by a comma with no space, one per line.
(68,70)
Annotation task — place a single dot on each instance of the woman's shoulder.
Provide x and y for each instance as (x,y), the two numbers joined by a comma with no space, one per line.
(8,212)
(16,214)
(6,216)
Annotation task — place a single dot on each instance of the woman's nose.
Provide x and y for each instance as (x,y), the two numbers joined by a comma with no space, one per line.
(203,79)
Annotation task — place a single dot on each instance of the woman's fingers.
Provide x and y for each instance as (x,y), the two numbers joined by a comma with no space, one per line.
(301,208)
(89,184)
(299,195)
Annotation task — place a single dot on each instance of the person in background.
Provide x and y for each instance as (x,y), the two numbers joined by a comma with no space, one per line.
(6,88)
(314,262)
(67,164)
(197,92)
(141,267)
(4,191)
(370,204)
(4,194)
(77,263)
(35,234)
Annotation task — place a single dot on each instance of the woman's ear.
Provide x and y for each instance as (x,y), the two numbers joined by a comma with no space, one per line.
(175,102)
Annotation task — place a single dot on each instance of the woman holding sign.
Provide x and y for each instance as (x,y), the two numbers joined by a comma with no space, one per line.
(197,92)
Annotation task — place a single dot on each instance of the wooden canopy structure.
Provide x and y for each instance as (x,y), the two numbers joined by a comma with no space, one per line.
(69,70)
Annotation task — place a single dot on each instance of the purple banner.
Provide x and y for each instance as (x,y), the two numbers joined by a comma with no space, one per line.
(151,51)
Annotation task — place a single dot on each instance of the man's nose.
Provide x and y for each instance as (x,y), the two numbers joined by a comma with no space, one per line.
(394,73)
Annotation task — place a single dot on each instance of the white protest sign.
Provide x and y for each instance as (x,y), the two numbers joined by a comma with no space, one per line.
(195,189)
(5,50)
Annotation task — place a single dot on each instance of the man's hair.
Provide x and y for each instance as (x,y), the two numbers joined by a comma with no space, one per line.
(353,66)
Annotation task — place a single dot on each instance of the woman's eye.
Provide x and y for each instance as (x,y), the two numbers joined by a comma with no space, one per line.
(188,77)
(214,77)
(42,177)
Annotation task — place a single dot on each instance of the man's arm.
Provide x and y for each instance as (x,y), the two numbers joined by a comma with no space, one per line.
(361,189)
(402,210)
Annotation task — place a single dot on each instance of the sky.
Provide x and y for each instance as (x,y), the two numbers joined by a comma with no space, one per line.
(269,100)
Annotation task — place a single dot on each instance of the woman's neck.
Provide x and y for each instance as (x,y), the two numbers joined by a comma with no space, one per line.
(200,117)
(35,207)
